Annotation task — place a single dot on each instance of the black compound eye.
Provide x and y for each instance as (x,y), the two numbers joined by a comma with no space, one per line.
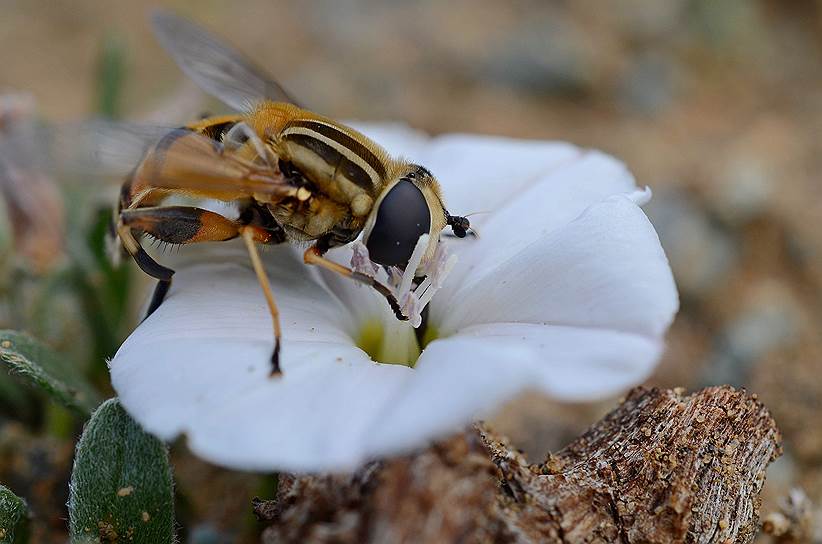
(403,216)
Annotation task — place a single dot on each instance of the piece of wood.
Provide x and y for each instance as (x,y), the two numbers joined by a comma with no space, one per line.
(662,467)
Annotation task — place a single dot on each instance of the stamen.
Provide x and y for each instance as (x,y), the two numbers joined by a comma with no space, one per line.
(394,277)
(436,270)
(435,266)
(382,276)
(413,264)
(412,301)
(421,288)
(411,307)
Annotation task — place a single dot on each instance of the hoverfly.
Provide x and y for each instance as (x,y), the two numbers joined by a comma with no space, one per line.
(296,177)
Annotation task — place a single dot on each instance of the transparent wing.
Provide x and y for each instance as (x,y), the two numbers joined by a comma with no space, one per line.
(172,158)
(215,67)
(89,152)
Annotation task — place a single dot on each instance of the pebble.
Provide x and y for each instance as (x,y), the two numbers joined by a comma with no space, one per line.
(770,321)
(649,85)
(700,252)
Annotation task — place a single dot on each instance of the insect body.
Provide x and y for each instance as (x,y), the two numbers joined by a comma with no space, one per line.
(295,176)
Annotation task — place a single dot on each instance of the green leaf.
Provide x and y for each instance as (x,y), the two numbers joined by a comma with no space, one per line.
(14,515)
(121,485)
(35,362)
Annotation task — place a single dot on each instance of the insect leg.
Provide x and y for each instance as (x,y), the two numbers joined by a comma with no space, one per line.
(173,224)
(143,259)
(159,295)
(262,277)
(187,225)
(180,224)
(129,242)
(313,255)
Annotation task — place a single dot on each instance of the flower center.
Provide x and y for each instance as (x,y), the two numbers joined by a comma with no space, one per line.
(392,342)
(398,342)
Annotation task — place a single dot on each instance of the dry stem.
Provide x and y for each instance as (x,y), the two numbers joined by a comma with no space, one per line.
(662,467)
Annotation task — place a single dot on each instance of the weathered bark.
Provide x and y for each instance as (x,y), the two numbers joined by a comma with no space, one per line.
(662,467)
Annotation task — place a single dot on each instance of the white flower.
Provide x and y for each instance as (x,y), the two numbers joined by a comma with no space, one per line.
(566,291)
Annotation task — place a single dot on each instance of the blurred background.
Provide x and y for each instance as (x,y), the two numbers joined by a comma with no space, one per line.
(716,105)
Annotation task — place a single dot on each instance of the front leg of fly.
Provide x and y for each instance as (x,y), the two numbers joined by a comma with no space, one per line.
(315,256)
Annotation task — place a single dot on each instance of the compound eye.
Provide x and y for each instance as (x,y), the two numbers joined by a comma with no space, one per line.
(403,216)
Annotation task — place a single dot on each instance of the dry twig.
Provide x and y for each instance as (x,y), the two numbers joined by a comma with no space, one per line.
(662,467)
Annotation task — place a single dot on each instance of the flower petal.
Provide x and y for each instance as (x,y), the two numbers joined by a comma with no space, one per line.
(455,380)
(605,269)
(215,294)
(553,199)
(577,363)
(468,375)
(480,173)
(199,366)
(309,419)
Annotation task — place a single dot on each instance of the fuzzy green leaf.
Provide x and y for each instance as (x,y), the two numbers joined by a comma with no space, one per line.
(14,515)
(121,485)
(36,363)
